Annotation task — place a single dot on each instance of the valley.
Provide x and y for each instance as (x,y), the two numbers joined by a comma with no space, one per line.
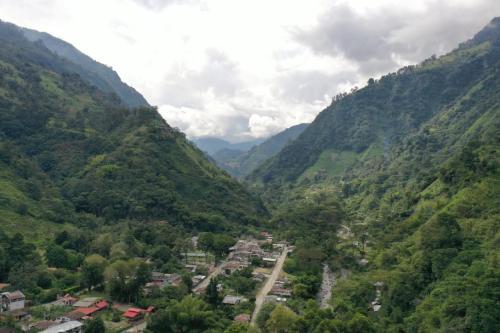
(382,215)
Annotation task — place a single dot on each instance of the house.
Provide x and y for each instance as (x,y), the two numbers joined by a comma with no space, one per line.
(269,262)
(197,279)
(134,314)
(86,302)
(232,266)
(98,306)
(75,315)
(174,279)
(65,300)
(11,301)
(43,325)
(259,277)
(232,300)
(242,318)
(283,292)
(71,326)
(4,285)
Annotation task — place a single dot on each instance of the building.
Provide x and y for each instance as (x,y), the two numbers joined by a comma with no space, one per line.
(283,292)
(134,314)
(65,300)
(86,302)
(72,326)
(96,307)
(232,266)
(269,262)
(242,318)
(12,301)
(232,300)
(197,279)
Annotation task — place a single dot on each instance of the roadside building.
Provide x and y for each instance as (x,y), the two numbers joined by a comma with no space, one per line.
(12,301)
(66,327)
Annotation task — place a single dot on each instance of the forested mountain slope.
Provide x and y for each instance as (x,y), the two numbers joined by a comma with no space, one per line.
(102,76)
(414,159)
(70,152)
(240,164)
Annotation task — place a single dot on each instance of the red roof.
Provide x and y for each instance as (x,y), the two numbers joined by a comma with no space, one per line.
(88,311)
(102,305)
(132,313)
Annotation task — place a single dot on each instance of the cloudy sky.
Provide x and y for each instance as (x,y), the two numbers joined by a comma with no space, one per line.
(240,69)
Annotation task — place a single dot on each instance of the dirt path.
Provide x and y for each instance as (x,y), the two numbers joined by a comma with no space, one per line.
(327,283)
(261,295)
(204,283)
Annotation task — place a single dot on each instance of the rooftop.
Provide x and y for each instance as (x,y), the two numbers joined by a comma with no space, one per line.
(63,327)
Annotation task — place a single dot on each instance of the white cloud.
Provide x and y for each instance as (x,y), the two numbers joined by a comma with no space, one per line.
(240,69)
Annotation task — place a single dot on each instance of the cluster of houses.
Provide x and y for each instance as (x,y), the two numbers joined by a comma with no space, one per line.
(241,254)
(162,280)
(13,304)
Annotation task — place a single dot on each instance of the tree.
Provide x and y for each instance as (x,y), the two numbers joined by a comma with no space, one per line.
(93,271)
(56,256)
(443,231)
(125,279)
(212,295)
(190,314)
(282,320)
(360,324)
(94,326)
(264,314)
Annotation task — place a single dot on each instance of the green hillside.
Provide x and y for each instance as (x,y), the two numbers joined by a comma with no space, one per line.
(71,152)
(413,158)
(97,74)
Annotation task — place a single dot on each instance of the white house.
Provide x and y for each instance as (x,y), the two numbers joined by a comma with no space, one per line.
(10,301)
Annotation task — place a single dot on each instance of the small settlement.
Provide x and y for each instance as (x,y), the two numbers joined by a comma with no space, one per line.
(255,258)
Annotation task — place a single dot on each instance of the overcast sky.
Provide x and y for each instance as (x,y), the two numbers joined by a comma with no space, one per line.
(240,69)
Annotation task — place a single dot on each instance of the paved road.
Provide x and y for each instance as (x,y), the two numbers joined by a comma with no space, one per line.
(204,283)
(261,295)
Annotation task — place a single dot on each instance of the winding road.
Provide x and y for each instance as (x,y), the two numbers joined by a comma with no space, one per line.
(261,295)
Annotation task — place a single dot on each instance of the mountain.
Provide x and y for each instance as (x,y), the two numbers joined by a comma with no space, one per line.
(413,158)
(212,145)
(71,153)
(240,164)
(95,73)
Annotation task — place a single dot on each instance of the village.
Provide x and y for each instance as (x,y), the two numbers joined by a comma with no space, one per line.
(250,275)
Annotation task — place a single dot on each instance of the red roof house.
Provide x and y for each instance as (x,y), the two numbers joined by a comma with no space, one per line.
(133,313)
(102,305)
(88,311)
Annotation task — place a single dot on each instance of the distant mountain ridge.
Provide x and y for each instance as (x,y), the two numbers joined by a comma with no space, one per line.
(241,164)
(212,145)
(102,76)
